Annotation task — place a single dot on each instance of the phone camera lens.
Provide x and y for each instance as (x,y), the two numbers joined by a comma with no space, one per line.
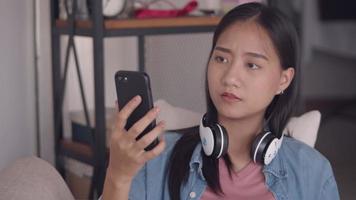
(122,79)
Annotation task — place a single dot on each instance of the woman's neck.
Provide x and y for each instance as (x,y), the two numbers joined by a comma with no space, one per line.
(242,133)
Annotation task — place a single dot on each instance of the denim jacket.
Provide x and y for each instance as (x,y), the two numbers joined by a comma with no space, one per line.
(298,172)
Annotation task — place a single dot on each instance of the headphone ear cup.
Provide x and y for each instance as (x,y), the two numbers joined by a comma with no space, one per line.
(220,141)
(217,141)
(260,146)
(226,141)
(214,138)
(207,139)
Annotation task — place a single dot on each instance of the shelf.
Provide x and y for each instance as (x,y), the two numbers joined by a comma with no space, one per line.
(127,27)
(97,155)
(77,150)
(84,152)
(147,23)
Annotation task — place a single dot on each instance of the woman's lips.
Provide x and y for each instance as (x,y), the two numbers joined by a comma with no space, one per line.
(230,97)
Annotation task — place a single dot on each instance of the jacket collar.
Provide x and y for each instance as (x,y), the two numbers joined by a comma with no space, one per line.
(196,162)
(273,172)
(275,168)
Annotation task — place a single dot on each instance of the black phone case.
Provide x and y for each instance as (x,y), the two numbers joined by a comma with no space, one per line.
(128,85)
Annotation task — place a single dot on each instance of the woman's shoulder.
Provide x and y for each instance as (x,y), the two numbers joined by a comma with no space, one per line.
(298,148)
(301,156)
(306,171)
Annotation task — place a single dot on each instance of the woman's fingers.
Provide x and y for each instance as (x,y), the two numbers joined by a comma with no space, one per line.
(126,111)
(149,155)
(149,137)
(142,124)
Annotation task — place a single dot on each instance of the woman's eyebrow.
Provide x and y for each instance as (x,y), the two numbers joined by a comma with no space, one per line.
(257,55)
(252,54)
(225,50)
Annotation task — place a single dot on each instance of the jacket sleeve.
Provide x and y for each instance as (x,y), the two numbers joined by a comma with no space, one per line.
(329,190)
(138,186)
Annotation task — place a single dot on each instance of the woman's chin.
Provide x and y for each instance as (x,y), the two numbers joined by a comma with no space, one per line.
(230,114)
(234,115)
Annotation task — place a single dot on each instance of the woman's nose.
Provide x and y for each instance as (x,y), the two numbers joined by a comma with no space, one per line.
(233,75)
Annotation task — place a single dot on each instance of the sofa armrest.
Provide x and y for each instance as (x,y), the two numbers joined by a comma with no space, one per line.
(33,178)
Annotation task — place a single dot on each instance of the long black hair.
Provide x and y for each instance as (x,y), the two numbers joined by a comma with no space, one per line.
(285,40)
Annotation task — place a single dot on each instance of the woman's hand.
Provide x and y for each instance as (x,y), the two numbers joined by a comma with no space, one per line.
(127,156)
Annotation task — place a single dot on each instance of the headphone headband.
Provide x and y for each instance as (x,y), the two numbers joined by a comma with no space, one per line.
(214,139)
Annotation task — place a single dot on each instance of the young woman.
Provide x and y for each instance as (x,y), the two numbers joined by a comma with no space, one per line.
(251,89)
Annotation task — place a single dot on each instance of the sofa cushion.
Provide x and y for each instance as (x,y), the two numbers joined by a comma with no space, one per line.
(32,178)
(303,128)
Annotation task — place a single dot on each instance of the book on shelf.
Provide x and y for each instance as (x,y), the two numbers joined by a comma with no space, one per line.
(82,133)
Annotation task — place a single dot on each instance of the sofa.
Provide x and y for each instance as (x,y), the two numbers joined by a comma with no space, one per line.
(32,178)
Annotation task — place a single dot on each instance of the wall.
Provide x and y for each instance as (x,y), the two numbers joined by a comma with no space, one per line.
(177,66)
(45,81)
(329,55)
(17,115)
(334,36)
(120,53)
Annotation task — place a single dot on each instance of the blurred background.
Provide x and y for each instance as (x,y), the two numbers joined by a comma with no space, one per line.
(176,64)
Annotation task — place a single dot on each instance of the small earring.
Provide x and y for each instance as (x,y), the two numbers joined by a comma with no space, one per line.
(282,92)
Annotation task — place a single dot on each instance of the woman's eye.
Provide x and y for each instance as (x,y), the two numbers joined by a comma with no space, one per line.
(220,59)
(253,66)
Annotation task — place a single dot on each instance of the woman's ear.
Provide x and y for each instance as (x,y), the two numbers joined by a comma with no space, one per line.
(286,78)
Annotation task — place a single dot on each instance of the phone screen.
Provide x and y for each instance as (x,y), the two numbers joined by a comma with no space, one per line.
(128,85)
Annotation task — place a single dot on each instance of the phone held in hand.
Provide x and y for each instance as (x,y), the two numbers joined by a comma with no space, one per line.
(128,85)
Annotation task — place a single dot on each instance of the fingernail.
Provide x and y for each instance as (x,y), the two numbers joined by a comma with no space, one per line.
(137,97)
(157,109)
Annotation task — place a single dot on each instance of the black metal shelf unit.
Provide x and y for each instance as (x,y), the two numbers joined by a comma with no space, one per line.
(97,30)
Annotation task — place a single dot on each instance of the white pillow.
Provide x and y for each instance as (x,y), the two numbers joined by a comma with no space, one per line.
(303,128)
(175,117)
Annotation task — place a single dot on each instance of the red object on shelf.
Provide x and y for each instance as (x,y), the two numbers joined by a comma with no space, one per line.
(150,13)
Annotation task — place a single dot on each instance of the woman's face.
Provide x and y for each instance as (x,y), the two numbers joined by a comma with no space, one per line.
(244,72)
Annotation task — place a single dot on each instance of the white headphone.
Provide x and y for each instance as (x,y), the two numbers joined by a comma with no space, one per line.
(214,140)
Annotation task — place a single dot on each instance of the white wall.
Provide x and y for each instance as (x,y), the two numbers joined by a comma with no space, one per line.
(17,115)
(177,65)
(45,81)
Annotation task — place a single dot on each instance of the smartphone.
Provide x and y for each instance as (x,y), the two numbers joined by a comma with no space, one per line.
(128,85)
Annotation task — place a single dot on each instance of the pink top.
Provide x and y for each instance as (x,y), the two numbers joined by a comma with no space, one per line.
(248,183)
